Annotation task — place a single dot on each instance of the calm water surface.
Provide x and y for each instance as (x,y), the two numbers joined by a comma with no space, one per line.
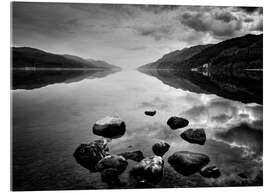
(51,121)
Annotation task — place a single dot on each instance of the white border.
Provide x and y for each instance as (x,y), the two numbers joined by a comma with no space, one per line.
(5,90)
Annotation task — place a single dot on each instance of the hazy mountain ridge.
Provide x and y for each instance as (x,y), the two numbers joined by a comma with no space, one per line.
(241,52)
(176,56)
(32,57)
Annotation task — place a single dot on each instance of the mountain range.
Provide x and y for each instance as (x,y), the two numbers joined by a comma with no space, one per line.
(31,57)
(237,53)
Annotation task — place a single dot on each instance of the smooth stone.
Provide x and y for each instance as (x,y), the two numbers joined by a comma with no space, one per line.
(88,155)
(187,163)
(210,172)
(177,122)
(109,127)
(115,162)
(160,148)
(134,155)
(149,170)
(150,112)
(197,136)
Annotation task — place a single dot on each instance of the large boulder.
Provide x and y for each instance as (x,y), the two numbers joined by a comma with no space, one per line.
(150,112)
(134,155)
(88,155)
(109,127)
(187,163)
(210,172)
(194,136)
(177,122)
(113,162)
(149,170)
(160,148)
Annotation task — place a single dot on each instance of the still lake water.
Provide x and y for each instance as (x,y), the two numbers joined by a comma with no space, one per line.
(51,120)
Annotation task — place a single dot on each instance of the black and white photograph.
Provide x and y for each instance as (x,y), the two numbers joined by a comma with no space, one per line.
(135,96)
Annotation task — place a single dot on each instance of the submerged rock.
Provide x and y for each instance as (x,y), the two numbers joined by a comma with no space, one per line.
(177,122)
(149,170)
(160,148)
(115,162)
(210,172)
(110,176)
(197,136)
(150,112)
(110,167)
(88,155)
(109,127)
(187,163)
(134,155)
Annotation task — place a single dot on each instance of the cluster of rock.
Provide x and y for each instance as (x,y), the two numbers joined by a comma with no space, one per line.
(95,156)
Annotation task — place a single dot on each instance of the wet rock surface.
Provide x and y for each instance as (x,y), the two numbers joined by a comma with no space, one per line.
(88,155)
(187,163)
(197,136)
(150,112)
(210,172)
(113,162)
(160,148)
(148,171)
(134,155)
(177,122)
(109,127)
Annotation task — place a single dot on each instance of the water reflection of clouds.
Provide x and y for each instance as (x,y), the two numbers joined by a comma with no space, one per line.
(243,135)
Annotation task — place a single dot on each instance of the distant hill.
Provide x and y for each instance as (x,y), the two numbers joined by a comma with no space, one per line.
(32,57)
(242,52)
(100,63)
(168,60)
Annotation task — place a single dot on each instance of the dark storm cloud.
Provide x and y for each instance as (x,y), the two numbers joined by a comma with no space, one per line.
(218,24)
(225,17)
(251,10)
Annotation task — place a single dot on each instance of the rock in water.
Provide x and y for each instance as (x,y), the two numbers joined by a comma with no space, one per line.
(109,127)
(150,112)
(210,172)
(160,148)
(88,155)
(149,170)
(113,162)
(134,155)
(187,163)
(194,136)
(177,122)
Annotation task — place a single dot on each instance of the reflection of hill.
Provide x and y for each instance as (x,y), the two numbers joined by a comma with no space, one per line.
(244,86)
(31,79)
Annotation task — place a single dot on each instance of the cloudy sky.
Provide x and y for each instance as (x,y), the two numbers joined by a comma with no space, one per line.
(127,35)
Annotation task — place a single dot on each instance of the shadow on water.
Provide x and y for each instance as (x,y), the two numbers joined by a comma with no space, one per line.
(245,86)
(32,79)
